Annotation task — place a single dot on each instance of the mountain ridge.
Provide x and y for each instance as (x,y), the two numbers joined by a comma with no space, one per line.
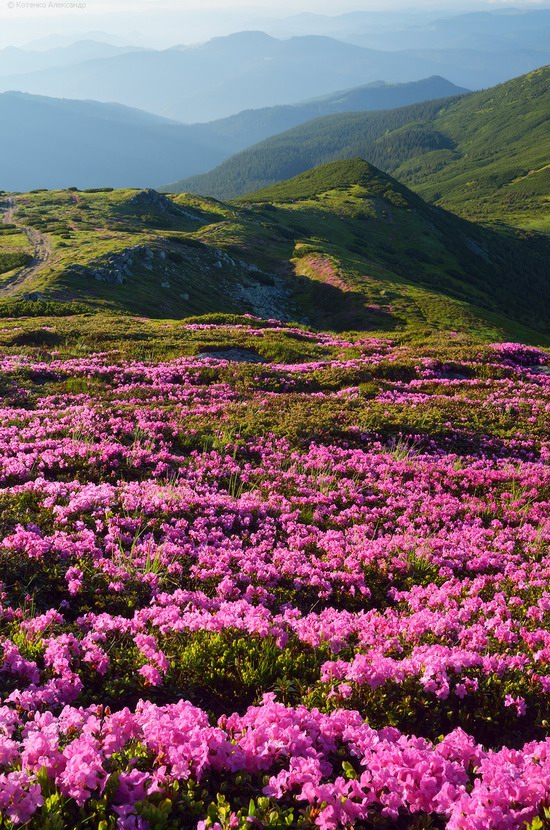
(473,154)
(62,143)
(220,78)
(51,128)
(15,59)
(342,247)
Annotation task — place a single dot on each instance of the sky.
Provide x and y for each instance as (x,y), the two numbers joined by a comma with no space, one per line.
(163,23)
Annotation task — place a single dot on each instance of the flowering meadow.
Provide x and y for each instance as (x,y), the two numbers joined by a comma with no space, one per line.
(275,594)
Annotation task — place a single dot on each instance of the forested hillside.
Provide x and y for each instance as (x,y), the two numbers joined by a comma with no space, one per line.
(484,155)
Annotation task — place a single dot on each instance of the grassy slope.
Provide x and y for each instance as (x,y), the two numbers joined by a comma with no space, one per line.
(502,166)
(331,137)
(15,251)
(422,263)
(346,247)
(86,228)
(484,155)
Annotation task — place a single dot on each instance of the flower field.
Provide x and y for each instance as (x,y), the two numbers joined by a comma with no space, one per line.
(276,594)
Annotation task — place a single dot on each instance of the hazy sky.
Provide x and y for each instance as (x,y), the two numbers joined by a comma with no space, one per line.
(277,7)
(165,22)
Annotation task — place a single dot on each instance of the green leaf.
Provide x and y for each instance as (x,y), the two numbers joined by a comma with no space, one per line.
(349,770)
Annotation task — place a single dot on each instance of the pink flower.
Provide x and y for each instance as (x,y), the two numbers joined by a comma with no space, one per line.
(151,675)
(518,703)
(20,796)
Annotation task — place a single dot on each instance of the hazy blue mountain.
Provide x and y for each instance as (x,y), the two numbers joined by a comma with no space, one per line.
(250,126)
(472,64)
(249,70)
(342,26)
(502,29)
(55,143)
(13,60)
(55,41)
(499,29)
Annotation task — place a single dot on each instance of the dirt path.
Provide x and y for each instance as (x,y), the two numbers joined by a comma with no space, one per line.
(41,251)
(9,212)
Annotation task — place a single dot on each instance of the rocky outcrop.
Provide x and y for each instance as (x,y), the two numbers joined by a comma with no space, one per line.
(268,300)
(176,269)
(151,199)
(33,296)
(114,268)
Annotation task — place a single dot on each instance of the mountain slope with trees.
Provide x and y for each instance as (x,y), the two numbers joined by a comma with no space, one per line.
(484,155)
(250,126)
(54,142)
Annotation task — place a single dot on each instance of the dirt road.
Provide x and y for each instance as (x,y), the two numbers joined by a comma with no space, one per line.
(41,251)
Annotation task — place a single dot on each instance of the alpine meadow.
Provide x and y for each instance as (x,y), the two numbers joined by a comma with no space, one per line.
(275,399)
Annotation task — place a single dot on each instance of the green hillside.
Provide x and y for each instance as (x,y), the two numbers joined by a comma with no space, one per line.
(500,164)
(345,135)
(343,247)
(246,128)
(485,155)
(360,215)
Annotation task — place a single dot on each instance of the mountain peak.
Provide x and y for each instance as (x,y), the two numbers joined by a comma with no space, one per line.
(336,175)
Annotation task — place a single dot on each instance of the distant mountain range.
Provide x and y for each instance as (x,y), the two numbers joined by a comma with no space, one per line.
(58,143)
(496,30)
(56,40)
(484,154)
(52,143)
(249,70)
(14,60)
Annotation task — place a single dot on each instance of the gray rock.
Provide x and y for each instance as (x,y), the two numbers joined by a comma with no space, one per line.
(151,198)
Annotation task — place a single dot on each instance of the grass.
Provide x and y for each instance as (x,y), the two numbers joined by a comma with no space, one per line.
(501,170)
(413,266)
(344,247)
